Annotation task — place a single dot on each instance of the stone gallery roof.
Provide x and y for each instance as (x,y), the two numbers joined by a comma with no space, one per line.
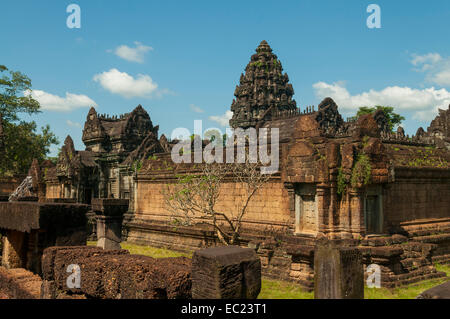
(415,156)
(285,127)
(262,90)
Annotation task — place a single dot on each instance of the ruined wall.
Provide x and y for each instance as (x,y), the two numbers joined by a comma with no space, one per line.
(269,207)
(417,195)
(9,184)
(53,191)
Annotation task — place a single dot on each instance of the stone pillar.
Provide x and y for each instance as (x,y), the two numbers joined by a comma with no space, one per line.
(226,272)
(34,252)
(338,272)
(91,226)
(357,226)
(323,200)
(291,197)
(14,249)
(109,214)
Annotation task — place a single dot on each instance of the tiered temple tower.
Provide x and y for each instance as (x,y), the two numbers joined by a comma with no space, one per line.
(262,91)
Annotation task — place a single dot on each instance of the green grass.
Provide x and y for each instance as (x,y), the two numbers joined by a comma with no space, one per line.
(276,289)
(149,251)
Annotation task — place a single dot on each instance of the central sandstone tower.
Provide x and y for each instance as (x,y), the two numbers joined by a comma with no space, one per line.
(263,91)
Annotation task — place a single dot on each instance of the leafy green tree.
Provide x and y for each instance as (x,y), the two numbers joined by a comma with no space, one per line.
(393,118)
(21,142)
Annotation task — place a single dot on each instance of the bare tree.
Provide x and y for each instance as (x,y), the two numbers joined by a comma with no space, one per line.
(194,197)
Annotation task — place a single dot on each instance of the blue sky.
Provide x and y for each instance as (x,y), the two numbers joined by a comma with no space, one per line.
(178,58)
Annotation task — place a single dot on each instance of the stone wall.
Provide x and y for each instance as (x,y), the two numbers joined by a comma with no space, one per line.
(19,283)
(53,191)
(9,184)
(269,208)
(417,194)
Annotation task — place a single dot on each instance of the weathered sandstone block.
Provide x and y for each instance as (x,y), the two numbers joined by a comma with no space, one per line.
(338,272)
(228,272)
(438,292)
(115,274)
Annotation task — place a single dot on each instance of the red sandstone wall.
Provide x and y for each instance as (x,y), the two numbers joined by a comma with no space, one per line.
(53,191)
(9,184)
(419,197)
(269,207)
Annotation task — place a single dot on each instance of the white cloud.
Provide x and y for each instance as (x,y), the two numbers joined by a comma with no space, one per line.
(422,103)
(53,102)
(436,67)
(123,84)
(195,108)
(135,54)
(223,120)
(73,124)
(430,58)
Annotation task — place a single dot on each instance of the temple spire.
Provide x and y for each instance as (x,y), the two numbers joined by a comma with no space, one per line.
(262,90)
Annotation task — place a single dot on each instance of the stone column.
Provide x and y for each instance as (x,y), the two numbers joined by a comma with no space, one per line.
(14,249)
(338,272)
(109,214)
(291,195)
(33,255)
(357,226)
(323,199)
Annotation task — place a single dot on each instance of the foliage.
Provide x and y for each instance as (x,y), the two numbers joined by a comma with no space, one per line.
(341,182)
(362,171)
(137,165)
(257,63)
(427,158)
(10,103)
(22,143)
(394,119)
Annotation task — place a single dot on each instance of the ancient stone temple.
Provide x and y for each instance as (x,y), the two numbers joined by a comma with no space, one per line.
(440,128)
(75,175)
(353,181)
(263,90)
(114,147)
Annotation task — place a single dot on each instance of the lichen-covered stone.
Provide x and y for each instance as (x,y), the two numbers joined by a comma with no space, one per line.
(115,274)
(338,272)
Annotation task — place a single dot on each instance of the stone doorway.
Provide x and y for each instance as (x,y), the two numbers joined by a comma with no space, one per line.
(306,217)
(87,196)
(373,217)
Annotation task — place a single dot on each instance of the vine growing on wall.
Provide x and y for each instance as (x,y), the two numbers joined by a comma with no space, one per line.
(341,182)
(361,173)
